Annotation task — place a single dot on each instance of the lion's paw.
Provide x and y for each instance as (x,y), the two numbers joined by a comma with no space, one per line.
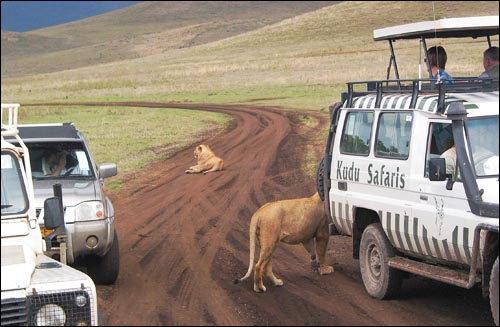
(278,282)
(325,270)
(258,289)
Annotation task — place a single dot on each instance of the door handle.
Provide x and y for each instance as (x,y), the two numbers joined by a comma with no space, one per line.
(424,197)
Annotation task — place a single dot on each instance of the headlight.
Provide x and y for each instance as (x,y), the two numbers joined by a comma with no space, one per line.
(91,210)
(81,301)
(50,315)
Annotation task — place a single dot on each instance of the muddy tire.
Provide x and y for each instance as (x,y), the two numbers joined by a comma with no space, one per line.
(380,280)
(494,291)
(104,270)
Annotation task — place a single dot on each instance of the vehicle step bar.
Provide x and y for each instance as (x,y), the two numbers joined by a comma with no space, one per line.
(439,273)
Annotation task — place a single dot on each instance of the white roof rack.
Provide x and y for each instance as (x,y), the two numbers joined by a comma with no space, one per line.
(442,28)
(10,127)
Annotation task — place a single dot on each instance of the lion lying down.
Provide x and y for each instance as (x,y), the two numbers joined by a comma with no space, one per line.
(291,222)
(207,161)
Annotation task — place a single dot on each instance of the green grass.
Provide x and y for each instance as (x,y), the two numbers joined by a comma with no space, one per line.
(131,137)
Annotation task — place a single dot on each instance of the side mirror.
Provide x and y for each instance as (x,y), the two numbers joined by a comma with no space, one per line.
(53,214)
(107,170)
(437,169)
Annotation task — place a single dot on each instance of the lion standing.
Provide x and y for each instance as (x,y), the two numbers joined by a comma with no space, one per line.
(292,222)
(207,161)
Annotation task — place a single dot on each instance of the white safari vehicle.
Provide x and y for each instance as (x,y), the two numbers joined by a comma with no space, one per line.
(36,290)
(385,183)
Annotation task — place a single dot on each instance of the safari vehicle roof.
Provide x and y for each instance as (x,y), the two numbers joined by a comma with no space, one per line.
(474,27)
(49,132)
(426,94)
(479,26)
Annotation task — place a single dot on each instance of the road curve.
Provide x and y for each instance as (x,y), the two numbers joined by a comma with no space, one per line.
(184,239)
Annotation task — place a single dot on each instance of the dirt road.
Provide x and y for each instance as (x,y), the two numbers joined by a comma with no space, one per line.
(184,239)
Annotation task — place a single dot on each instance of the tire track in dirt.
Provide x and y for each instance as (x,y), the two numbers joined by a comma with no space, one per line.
(172,226)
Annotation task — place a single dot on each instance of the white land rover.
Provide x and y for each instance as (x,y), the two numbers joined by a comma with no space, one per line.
(384,181)
(36,290)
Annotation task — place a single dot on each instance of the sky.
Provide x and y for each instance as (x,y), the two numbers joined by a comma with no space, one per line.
(23,16)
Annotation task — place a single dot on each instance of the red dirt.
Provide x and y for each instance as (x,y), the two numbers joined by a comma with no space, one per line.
(184,239)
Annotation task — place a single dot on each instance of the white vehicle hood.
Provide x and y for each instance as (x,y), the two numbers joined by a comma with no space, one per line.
(22,269)
(18,264)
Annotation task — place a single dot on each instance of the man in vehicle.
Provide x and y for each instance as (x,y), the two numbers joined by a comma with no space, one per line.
(54,163)
(490,63)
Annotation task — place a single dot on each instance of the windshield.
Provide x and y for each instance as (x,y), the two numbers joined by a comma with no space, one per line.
(483,141)
(14,198)
(64,159)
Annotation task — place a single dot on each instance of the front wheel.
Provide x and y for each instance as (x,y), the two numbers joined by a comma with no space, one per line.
(494,291)
(380,280)
(104,270)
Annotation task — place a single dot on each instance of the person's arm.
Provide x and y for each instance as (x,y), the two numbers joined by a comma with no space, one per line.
(60,166)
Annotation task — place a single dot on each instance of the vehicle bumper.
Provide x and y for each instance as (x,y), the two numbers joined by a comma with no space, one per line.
(87,238)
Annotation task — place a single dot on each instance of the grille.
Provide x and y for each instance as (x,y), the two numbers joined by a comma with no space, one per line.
(51,303)
(70,308)
(14,312)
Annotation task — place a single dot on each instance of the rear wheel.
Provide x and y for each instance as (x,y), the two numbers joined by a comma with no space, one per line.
(494,291)
(104,270)
(380,280)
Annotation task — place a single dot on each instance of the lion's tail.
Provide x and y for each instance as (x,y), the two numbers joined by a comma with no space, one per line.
(252,232)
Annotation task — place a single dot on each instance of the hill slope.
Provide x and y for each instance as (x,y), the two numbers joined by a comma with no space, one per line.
(148,28)
(300,61)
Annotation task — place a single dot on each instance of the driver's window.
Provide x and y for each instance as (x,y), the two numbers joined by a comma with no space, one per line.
(441,145)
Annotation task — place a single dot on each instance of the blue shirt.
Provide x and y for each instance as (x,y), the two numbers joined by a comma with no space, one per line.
(444,76)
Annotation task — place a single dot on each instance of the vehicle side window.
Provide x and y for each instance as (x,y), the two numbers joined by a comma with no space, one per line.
(440,139)
(14,197)
(357,133)
(394,135)
(83,163)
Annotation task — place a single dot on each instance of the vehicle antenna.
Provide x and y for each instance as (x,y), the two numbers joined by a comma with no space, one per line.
(420,65)
(435,43)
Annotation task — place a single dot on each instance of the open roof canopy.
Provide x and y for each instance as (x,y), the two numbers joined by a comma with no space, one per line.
(443,28)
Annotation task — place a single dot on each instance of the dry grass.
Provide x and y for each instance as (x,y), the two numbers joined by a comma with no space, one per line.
(311,54)
(151,27)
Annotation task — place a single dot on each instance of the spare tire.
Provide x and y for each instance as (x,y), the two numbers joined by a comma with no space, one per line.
(320,179)
(494,280)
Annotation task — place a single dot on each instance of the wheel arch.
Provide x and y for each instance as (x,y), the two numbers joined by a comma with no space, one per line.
(362,218)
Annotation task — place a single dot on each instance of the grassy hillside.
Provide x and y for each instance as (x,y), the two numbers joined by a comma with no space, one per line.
(301,62)
(151,27)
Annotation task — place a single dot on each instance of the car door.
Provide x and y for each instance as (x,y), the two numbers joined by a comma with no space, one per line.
(443,224)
